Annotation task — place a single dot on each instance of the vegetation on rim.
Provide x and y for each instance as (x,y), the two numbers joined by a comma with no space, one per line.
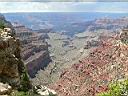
(119,88)
(2,24)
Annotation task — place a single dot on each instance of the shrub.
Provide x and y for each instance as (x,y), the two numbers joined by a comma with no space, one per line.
(119,88)
(20,93)
(2,24)
(25,83)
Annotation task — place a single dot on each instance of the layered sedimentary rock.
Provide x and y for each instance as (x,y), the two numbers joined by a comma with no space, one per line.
(108,24)
(34,49)
(92,75)
(12,69)
(36,58)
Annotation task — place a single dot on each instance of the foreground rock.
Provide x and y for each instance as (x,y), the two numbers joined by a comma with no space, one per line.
(44,91)
(5,89)
(12,69)
(9,59)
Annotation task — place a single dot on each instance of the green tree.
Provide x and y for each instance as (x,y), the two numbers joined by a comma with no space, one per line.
(2,24)
(119,88)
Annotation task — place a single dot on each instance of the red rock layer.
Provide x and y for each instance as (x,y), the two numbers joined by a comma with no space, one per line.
(93,74)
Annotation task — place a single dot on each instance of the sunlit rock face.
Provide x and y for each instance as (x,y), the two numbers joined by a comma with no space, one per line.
(12,70)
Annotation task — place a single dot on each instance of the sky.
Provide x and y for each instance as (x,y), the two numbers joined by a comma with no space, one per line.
(64,0)
(110,7)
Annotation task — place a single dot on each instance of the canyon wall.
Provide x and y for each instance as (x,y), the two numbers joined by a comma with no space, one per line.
(35,52)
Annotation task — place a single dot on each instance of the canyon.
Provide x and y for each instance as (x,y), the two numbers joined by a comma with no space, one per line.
(14,79)
(47,53)
(77,64)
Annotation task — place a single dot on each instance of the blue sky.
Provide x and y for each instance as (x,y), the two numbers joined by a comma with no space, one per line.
(111,7)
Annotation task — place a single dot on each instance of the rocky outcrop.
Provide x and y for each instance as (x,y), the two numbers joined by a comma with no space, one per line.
(44,91)
(92,43)
(12,69)
(9,56)
(92,75)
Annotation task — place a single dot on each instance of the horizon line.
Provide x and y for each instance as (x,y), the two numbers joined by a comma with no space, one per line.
(64,12)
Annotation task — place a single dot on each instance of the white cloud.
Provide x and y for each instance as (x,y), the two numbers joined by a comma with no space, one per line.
(23,7)
(112,7)
(117,7)
(35,6)
(63,0)
(15,0)
(48,0)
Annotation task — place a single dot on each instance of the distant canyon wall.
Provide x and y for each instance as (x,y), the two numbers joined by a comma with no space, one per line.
(35,52)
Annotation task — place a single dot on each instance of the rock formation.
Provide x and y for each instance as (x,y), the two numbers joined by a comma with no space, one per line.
(108,24)
(34,51)
(5,89)
(12,69)
(36,58)
(44,91)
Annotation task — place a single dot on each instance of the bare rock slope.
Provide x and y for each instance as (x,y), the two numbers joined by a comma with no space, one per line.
(92,75)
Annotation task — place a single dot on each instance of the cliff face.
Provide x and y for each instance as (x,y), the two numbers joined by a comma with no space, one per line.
(92,75)
(34,51)
(12,70)
(102,23)
(36,58)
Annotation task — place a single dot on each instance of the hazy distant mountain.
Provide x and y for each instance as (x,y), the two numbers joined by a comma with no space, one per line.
(71,22)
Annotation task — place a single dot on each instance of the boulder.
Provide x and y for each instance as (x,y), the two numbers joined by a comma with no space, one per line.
(5,89)
(44,91)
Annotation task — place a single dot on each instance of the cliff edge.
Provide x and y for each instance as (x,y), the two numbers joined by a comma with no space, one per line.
(12,69)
